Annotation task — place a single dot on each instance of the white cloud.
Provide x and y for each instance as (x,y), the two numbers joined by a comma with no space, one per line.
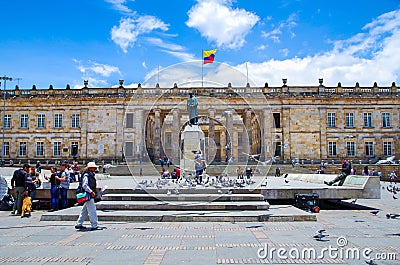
(120,5)
(285,52)
(95,73)
(104,70)
(219,22)
(126,34)
(172,49)
(284,26)
(368,57)
(144,65)
(261,47)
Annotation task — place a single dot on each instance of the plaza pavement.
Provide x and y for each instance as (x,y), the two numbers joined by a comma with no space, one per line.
(31,241)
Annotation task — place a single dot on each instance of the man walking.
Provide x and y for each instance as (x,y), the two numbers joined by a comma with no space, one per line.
(18,185)
(89,208)
(346,169)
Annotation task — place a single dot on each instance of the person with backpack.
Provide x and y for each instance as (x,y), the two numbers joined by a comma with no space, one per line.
(18,185)
(89,185)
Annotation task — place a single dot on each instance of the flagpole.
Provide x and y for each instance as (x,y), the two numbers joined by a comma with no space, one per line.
(247,74)
(158,75)
(202,65)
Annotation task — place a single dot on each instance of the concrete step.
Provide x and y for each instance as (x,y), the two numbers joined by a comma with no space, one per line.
(181,206)
(276,213)
(183,197)
(164,190)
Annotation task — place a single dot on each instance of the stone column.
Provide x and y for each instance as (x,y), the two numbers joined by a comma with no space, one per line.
(157,134)
(138,124)
(211,133)
(248,139)
(211,130)
(229,133)
(176,126)
(267,133)
(286,152)
(323,141)
(83,148)
(119,133)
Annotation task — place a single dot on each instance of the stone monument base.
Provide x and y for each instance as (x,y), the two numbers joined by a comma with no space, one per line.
(192,141)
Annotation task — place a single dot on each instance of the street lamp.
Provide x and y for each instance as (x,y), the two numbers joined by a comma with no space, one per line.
(5,78)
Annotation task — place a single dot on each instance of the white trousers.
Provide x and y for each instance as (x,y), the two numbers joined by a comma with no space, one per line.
(88,209)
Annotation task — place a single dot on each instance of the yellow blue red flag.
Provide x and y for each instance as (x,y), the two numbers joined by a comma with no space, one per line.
(209,56)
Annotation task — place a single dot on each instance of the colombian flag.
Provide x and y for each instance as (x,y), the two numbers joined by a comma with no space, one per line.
(209,56)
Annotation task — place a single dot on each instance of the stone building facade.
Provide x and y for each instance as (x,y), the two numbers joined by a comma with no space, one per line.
(140,124)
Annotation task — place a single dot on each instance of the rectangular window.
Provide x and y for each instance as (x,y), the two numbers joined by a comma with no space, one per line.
(368,120)
(74,149)
(40,149)
(369,148)
(331,120)
(240,139)
(129,120)
(7,121)
(57,149)
(386,120)
(22,149)
(387,148)
(350,120)
(277,120)
(332,149)
(41,120)
(168,140)
(75,121)
(278,149)
(6,149)
(351,149)
(128,149)
(24,121)
(58,121)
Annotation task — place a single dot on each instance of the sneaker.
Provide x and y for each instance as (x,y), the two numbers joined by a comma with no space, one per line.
(96,228)
(79,227)
(328,183)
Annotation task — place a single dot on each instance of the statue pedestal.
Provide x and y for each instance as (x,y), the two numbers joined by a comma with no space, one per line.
(192,141)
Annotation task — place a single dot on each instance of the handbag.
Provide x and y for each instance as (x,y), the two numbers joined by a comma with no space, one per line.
(81,195)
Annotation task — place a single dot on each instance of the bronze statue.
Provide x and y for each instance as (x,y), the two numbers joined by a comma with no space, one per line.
(191,108)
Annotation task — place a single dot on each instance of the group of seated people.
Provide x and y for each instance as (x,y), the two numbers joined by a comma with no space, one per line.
(175,174)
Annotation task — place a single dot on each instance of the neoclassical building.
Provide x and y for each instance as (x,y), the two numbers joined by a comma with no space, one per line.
(144,123)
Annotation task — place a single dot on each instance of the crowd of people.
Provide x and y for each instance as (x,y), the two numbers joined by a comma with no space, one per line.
(26,180)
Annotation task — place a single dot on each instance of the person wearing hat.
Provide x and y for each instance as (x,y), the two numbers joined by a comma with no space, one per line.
(18,185)
(89,207)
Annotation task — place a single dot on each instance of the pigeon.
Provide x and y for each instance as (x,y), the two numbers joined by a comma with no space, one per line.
(285,176)
(392,215)
(394,197)
(374,212)
(354,201)
(264,184)
(107,166)
(286,181)
(370,262)
(168,192)
(319,235)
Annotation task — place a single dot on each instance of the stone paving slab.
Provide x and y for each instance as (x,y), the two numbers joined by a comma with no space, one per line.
(31,241)
(275,213)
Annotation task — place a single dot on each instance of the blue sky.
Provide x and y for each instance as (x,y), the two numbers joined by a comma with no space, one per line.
(47,42)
